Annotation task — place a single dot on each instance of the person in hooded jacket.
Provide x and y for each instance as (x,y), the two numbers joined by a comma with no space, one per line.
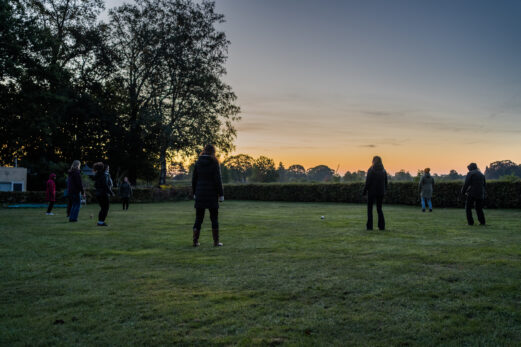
(208,191)
(426,187)
(103,192)
(75,190)
(51,193)
(375,187)
(474,189)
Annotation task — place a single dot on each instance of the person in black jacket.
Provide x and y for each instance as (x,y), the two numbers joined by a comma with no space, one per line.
(102,192)
(75,190)
(474,188)
(125,192)
(207,188)
(375,187)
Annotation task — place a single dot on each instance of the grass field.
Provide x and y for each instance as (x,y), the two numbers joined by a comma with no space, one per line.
(284,276)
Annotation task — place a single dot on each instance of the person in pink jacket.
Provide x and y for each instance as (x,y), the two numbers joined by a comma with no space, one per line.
(51,193)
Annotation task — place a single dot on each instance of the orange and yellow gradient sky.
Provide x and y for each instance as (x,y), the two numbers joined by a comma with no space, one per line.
(420,83)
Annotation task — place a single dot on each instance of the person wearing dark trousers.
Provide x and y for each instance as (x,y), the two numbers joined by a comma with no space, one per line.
(208,192)
(125,192)
(67,195)
(51,194)
(375,187)
(474,189)
(75,190)
(426,187)
(102,192)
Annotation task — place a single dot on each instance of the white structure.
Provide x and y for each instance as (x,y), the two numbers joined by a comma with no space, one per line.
(13,179)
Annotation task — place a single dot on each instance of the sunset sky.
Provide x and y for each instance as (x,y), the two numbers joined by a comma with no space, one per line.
(421,83)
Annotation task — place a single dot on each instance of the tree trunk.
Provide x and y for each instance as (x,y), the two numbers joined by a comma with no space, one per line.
(162,161)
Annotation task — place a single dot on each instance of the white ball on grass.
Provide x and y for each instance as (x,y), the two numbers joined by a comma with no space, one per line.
(322,217)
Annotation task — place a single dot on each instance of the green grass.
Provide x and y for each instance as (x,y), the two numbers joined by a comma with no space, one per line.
(284,276)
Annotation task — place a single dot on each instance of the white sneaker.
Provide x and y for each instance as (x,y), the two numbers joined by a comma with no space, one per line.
(50,214)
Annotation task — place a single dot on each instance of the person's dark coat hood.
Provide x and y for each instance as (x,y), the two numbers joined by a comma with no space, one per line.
(472,166)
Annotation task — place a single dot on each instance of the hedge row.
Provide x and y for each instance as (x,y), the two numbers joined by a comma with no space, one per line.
(447,194)
(139,195)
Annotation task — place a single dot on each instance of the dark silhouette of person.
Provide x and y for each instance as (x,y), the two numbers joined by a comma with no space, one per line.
(474,189)
(103,192)
(375,187)
(426,186)
(207,188)
(125,192)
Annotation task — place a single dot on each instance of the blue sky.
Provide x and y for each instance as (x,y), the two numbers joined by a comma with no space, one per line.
(422,83)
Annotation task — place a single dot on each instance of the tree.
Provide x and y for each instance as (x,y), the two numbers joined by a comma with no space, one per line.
(281,172)
(320,173)
(264,170)
(195,106)
(402,175)
(501,168)
(239,167)
(358,176)
(296,172)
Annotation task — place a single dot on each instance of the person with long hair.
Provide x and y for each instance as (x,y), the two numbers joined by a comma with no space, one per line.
(75,190)
(208,191)
(375,187)
(426,187)
(102,192)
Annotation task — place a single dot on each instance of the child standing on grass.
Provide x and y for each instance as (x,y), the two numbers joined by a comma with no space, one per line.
(207,187)
(51,193)
(426,186)
(125,192)
(102,192)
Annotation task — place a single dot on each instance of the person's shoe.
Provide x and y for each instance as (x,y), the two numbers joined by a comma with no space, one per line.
(49,213)
(423,210)
(430,209)
(73,220)
(102,224)
(215,235)
(196,238)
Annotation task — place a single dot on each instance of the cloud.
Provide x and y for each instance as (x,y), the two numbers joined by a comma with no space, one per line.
(368,146)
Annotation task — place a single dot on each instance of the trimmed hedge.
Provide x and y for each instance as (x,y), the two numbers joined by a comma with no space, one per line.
(139,195)
(446,194)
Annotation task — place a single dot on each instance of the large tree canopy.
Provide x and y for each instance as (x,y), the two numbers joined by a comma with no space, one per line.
(132,92)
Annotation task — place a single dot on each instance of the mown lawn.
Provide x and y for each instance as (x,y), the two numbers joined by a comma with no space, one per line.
(284,276)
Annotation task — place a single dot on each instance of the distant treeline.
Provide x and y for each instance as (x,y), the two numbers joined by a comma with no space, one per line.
(243,168)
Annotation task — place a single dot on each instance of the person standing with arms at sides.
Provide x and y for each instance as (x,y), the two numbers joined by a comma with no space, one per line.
(375,187)
(474,189)
(125,192)
(208,192)
(51,193)
(102,192)
(75,190)
(426,186)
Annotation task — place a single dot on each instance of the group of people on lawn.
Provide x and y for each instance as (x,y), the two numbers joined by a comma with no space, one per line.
(208,191)
(76,193)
